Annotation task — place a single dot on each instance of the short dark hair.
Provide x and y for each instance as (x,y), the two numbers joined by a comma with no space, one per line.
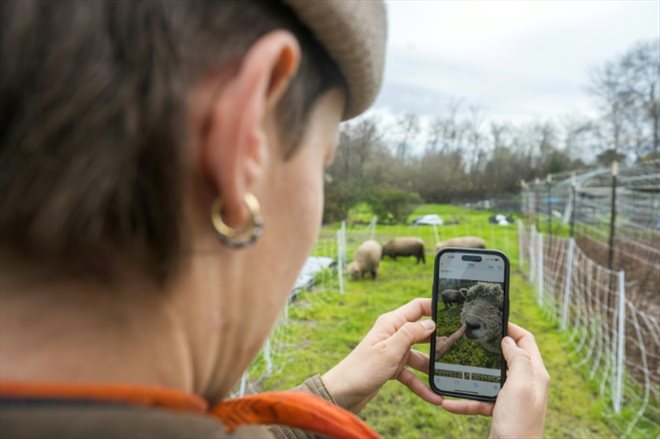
(92,120)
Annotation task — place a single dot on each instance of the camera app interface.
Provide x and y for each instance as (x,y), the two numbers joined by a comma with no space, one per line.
(470,304)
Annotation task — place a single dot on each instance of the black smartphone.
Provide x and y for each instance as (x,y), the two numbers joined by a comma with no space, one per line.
(471,312)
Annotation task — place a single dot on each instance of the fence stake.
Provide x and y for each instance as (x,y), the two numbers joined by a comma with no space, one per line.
(532,253)
(549,184)
(521,253)
(610,257)
(567,284)
(537,202)
(573,205)
(621,350)
(243,387)
(539,268)
(341,254)
(268,357)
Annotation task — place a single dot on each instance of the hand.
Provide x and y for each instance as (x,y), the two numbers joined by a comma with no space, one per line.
(519,410)
(383,355)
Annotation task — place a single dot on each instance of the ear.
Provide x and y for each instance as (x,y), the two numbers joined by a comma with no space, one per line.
(234,150)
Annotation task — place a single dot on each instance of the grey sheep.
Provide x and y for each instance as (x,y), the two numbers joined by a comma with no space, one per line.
(405,246)
(462,242)
(482,315)
(453,296)
(367,258)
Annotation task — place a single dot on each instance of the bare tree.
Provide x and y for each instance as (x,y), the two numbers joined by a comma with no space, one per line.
(409,127)
(628,92)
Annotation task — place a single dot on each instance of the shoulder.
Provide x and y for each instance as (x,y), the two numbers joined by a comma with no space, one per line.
(74,421)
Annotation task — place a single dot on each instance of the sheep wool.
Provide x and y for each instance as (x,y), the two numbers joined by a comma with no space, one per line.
(366,260)
(462,242)
(482,315)
(405,246)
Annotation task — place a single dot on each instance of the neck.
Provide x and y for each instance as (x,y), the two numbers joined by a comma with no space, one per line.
(76,331)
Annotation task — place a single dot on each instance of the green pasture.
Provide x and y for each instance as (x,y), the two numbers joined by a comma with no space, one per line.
(324,325)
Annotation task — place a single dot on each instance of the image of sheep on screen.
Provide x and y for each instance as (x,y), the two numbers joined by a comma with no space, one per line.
(469,323)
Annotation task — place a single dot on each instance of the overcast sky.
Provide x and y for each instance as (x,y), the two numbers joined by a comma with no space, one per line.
(518,60)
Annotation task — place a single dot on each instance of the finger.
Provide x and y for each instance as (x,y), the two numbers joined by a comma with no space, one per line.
(518,360)
(419,361)
(525,340)
(464,407)
(417,386)
(407,335)
(410,312)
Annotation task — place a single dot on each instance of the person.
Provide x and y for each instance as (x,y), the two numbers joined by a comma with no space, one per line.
(161,184)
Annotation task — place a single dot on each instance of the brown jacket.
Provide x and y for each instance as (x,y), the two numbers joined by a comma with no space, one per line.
(22,419)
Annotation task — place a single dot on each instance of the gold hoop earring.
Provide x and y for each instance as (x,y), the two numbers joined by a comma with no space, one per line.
(250,231)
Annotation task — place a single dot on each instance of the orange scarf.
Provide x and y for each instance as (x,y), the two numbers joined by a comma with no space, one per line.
(293,409)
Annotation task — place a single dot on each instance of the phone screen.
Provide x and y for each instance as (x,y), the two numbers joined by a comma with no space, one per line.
(471,312)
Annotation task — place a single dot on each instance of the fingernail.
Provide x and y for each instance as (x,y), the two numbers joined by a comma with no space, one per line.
(428,324)
(509,341)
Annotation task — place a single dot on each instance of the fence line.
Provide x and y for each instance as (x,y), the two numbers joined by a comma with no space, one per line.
(614,341)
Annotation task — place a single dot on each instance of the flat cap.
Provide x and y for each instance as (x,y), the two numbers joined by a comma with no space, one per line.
(354,34)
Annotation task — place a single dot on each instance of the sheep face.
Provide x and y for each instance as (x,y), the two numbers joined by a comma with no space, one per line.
(354,270)
(482,315)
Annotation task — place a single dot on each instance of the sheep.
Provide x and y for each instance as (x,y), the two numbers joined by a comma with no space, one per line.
(367,258)
(453,296)
(462,242)
(405,246)
(482,315)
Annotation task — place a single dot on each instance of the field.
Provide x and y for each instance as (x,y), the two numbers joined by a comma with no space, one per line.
(324,325)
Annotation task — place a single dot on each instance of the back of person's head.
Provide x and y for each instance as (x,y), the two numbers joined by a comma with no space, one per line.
(93,120)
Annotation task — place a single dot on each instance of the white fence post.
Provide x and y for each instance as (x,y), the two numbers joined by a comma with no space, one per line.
(567,284)
(539,268)
(521,252)
(372,227)
(532,253)
(243,387)
(268,357)
(341,254)
(621,351)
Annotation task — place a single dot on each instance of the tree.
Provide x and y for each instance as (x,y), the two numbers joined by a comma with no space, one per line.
(627,90)
(408,125)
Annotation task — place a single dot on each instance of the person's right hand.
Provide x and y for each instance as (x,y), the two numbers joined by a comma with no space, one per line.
(519,410)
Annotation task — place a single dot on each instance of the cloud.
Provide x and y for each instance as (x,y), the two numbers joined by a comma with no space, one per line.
(517,60)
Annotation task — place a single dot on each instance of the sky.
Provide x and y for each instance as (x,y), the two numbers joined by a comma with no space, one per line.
(516,60)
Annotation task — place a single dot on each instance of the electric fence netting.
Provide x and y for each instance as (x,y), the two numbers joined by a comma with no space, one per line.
(601,282)
(325,274)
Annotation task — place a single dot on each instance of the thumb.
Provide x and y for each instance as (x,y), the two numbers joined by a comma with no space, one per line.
(518,360)
(409,334)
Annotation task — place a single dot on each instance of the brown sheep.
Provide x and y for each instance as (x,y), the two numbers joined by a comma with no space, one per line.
(453,296)
(405,246)
(366,260)
(462,242)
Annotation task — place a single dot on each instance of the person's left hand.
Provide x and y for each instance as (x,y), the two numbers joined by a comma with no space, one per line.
(383,355)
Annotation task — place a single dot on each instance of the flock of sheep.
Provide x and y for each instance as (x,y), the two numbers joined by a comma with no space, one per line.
(481,304)
(368,255)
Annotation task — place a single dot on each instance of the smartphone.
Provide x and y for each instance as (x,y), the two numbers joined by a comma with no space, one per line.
(471,312)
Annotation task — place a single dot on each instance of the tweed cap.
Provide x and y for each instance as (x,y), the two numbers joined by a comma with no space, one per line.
(354,33)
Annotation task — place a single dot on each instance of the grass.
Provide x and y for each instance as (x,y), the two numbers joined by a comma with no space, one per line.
(325,325)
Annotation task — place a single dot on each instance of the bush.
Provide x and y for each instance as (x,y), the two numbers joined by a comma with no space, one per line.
(393,205)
